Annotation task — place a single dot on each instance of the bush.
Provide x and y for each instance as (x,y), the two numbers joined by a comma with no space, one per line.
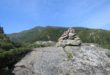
(9,58)
(6,45)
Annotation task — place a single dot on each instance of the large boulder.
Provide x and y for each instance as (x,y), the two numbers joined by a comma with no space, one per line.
(69,38)
(70,60)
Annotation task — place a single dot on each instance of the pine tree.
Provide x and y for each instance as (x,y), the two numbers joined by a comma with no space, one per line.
(1,30)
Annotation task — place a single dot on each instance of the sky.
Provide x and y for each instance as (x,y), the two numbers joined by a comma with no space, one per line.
(19,15)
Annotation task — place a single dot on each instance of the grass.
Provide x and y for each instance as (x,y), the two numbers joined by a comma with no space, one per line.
(69,55)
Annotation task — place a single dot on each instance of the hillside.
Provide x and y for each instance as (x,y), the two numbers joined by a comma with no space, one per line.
(10,52)
(52,33)
(5,43)
(37,33)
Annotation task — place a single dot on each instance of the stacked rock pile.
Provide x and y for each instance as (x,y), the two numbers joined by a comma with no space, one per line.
(69,38)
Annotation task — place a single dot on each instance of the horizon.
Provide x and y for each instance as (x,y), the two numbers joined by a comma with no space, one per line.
(5,30)
(19,15)
(55,26)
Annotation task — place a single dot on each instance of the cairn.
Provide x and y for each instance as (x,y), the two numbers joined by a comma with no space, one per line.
(69,38)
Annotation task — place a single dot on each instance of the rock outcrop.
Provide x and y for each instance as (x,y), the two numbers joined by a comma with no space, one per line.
(87,59)
(71,60)
(69,38)
(45,43)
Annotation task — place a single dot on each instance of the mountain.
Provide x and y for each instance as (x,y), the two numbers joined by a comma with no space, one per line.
(37,33)
(87,35)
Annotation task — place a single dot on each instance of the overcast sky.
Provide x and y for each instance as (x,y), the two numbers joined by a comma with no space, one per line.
(18,15)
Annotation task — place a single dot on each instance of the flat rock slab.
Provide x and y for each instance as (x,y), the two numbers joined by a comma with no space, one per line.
(71,60)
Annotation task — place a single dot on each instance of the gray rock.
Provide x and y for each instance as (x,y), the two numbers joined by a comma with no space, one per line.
(71,60)
(45,43)
(69,38)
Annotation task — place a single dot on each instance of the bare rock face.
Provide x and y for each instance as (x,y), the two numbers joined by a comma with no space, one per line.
(71,60)
(45,43)
(69,38)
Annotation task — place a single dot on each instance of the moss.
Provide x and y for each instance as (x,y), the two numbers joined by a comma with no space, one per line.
(69,55)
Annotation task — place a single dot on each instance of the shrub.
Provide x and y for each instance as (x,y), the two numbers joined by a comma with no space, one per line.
(9,58)
(69,55)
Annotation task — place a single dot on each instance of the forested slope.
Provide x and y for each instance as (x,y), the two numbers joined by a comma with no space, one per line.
(87,35)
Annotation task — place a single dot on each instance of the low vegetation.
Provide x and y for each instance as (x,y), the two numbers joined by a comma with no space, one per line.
(69,55)
(99,36)
(10,52)
(8,58)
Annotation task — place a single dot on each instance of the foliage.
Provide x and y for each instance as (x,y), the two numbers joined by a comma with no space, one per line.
(34,45)
(10,52)
(6,46)
(5,43)
(8,58)
(53,33)
(36,34)
(69,55)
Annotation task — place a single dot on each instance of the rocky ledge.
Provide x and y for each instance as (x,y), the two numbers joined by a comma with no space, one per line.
(82,60)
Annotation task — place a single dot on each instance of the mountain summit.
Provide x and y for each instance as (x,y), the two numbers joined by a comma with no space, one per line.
(86,59)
